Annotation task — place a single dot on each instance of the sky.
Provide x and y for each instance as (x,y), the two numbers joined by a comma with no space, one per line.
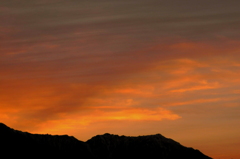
(125,67)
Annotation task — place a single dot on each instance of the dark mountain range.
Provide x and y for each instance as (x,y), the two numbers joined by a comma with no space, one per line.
(14,143)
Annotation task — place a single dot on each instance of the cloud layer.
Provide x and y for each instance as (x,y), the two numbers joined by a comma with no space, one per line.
(91,67)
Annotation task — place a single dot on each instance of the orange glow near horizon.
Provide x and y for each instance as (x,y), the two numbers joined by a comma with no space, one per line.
(41,106)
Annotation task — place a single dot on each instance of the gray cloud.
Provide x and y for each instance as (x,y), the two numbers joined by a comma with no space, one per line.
(92,42)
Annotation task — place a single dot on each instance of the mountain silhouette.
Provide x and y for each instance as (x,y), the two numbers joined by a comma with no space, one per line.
(17,144)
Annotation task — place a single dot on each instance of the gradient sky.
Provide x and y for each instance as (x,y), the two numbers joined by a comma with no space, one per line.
(124,67)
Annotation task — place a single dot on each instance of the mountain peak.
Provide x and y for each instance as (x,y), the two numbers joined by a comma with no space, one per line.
(148,146)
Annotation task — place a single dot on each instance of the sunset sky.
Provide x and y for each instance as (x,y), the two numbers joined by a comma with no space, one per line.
(127,67)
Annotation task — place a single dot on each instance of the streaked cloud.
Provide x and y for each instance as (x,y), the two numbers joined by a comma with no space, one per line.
(81,67)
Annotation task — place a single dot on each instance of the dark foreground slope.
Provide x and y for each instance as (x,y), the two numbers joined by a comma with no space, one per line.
(18,144)
(14,143)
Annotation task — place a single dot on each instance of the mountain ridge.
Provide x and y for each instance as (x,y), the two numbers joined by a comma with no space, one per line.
(106,146)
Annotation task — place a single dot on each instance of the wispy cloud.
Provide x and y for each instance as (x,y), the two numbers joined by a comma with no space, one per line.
(65,64)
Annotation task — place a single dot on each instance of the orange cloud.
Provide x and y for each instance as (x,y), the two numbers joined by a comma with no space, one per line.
(196,88)
(191,102)
(104,114)
(157,114)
